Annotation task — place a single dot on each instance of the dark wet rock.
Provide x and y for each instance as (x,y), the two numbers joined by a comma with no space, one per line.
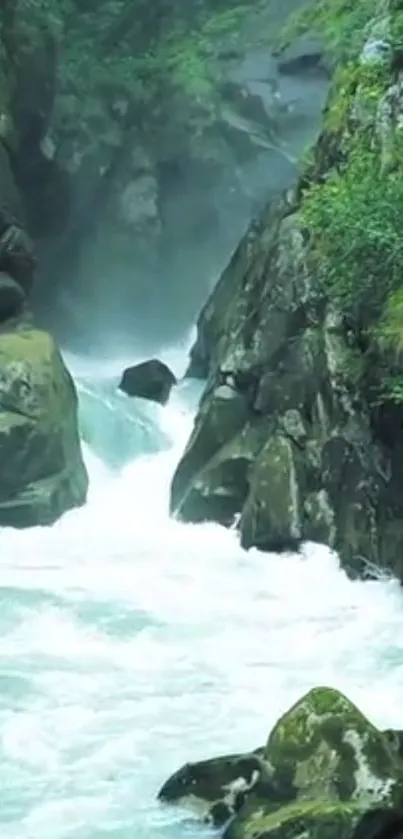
(151,380)
(227,413)
(305,54)
(42,471)
(324,766)
(380,823)
(395,740)
(12,297)
(17,254)
(215,788)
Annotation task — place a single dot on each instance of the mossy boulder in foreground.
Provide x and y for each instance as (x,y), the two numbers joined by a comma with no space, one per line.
(323,767)
(42,472)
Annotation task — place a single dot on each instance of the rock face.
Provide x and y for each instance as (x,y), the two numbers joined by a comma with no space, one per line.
(380,822)
(323,767)
(299,431)
(42,472)
(151,380)
(12,297)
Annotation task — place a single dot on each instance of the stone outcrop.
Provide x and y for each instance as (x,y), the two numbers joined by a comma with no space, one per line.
(296,438)
(325,770)
(42,473)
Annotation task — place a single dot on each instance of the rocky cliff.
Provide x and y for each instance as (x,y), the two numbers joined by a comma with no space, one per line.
(299,434)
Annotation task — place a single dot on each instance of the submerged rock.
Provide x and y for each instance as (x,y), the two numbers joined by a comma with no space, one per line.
(42,472)
(151,380)
(323,767)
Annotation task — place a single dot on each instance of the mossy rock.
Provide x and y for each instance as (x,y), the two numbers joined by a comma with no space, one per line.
(223,414)
(302,820)
(42,471)
(326,749)
(270,518)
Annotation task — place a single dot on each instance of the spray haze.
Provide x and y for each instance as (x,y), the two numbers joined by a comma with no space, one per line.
(162,142)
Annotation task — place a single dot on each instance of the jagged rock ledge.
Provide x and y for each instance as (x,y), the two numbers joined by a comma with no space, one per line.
(324,771)
(299,431)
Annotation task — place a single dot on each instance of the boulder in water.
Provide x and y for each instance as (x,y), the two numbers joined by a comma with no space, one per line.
(42,471)
(151,380)
(217,787)
(323,766)
(305,54)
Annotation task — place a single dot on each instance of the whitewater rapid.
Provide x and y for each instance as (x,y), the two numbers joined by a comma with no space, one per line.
(131,643)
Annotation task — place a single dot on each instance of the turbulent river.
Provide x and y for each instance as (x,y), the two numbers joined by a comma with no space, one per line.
(131,643)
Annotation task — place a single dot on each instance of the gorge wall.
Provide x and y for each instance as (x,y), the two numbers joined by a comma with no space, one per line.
(299,434)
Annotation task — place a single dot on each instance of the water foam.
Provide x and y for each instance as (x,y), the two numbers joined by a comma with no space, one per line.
(130,643)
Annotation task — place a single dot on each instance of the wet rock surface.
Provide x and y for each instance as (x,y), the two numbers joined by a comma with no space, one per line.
(42,472)
(290,442)
(151,380)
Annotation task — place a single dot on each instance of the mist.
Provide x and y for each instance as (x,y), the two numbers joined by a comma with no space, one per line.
(139,191)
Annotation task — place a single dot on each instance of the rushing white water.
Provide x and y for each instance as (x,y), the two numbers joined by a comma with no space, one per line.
(130,643)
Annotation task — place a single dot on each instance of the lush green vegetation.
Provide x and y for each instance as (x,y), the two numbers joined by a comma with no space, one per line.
(125,46)
(129,53)
(132,53)
(353,214)
(355,219)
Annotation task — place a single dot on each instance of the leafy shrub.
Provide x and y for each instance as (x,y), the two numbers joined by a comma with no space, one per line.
(355,221)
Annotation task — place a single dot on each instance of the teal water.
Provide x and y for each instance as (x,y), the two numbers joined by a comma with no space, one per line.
(130,643)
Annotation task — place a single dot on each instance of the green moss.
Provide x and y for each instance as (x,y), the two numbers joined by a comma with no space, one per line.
(352,208)
(354,222)
(334,752)
(352,215)
(178,53)
(367,82)
(389,332)
(396,26)
(311,820)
